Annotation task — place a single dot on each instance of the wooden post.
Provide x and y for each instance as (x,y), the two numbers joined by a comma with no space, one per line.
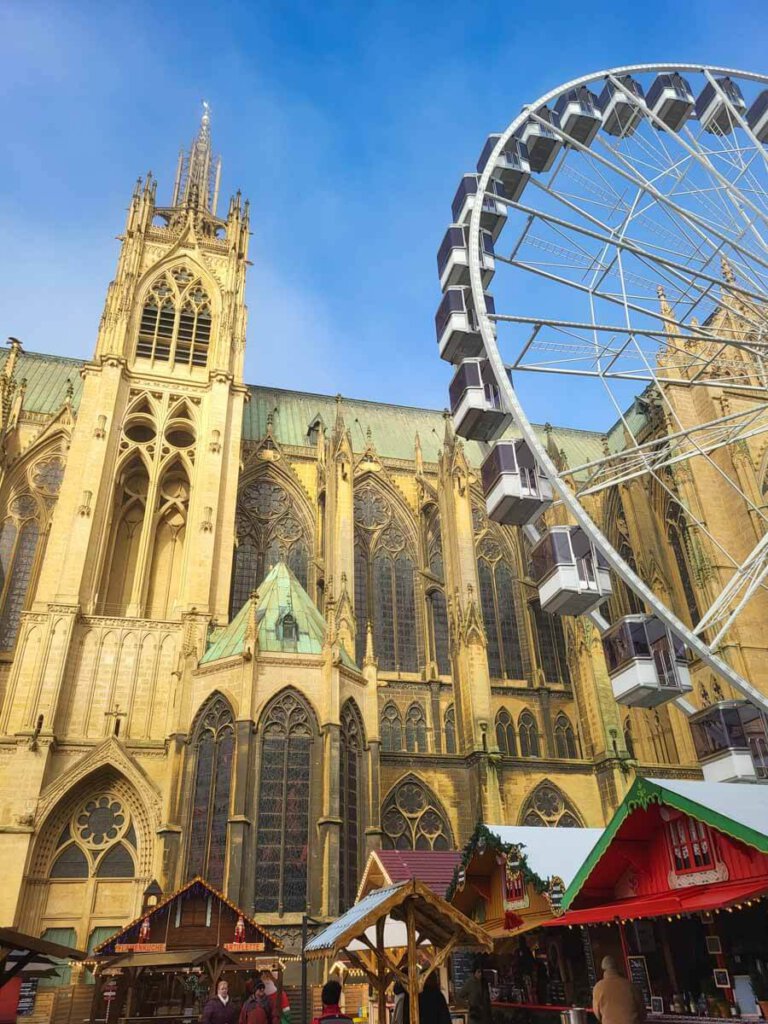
(413,972)
(381,963)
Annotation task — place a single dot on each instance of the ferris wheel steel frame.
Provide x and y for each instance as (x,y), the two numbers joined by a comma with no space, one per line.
(756,560)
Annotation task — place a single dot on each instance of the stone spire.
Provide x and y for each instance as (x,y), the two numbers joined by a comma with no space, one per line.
(193,173)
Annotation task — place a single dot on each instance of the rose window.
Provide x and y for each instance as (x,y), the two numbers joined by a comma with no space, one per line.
(100,821)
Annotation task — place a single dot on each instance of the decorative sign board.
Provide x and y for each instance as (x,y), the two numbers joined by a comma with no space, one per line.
(638,973)
(27,996)
(139,947)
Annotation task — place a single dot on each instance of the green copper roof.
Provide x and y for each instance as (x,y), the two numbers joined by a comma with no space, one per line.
(738,809)
(279,595)
(393,427)
(47,380)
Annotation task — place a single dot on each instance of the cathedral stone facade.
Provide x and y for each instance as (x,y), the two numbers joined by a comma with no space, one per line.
(253,634)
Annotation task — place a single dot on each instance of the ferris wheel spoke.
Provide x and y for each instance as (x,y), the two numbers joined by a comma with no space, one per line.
(696,154)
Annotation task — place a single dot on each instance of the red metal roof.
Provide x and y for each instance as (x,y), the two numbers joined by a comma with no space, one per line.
(433,867)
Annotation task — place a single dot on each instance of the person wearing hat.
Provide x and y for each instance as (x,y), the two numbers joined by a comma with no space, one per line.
(257,1008)
(615,1000)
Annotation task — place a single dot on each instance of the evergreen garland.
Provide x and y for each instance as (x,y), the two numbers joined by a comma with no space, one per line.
(482,840)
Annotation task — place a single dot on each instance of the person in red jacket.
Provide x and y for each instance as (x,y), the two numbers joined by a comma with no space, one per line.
(330,997)
(281,1014)
(257,1008)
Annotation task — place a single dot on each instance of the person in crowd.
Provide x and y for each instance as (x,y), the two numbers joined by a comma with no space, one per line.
(257,1009)
(280,1014)
(615,1000)
(398,1015)
(433,1008)
(330,997)
(477,994)
(220,1009)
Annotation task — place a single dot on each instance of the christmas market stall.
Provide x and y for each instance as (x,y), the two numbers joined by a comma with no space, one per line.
(402,933)
(24,959)
(512,880)
(676,889)
(164,965)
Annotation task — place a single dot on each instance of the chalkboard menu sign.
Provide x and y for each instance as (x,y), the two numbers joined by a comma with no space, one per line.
(27,995)
(638,973)
(589,957)
(461,967)
(556,992)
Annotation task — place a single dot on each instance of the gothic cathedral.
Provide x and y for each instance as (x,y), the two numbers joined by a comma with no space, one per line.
(253,634)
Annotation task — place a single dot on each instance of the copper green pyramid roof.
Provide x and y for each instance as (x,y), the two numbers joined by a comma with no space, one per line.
(279,595)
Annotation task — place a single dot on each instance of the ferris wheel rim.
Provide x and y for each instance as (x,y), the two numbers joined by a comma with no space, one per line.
(512,404)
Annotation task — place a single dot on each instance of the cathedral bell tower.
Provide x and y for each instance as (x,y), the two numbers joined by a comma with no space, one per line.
(152,475)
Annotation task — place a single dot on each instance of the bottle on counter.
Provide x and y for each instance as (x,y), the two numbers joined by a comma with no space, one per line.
(735,1010)
(702,1006)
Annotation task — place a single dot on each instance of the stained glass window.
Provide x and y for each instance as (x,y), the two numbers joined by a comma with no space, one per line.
(416,730)
(213,747)
(349,799)
(283,823)
(505,734)
(116,863)
(440,644)
(528,732)
(17,558)
(391,729)
(498,593)
(268,530)
(547,807)
(384,583)
(449,730)
(565,739)
(680,541)
(550,645)
(413,819)
(70,863)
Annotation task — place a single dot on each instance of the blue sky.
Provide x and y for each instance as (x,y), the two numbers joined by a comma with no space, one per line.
(348,126)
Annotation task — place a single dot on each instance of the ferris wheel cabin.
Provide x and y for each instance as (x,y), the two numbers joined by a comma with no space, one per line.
(620,114)
(511,168)
(757,117)
(494,214)
(453,257)
(715,113)
(731,742)
(571,573)
(578,114)
(541,142)
(476,402)
(646,662)
(515,488)
(456,326)
(671,100)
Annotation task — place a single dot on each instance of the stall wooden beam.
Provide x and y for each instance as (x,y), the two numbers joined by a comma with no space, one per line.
(413,970)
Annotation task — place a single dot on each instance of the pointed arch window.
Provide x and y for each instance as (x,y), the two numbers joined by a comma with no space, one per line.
(437,608)
(384,583)
(528,731)
(505,734)
(416,730)
(175,325)
(449,730)
(663,742)
(268,530)
(547,807)
(285,777)
(128,519)
(414,819)
(550,645)
(565,738)
(19,537)
(213,746)
(678,535)
(168,542)
(350,765)
(498,596)
(391,730)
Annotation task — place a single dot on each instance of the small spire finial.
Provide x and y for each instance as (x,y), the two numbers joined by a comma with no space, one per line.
(727,269)
(193,177)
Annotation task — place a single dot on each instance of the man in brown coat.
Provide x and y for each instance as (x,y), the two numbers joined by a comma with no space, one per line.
(615,1000)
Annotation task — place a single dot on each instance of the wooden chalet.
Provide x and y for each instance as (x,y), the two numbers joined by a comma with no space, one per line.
(166,963)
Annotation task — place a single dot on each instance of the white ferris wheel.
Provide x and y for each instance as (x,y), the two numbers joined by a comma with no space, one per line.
(613,243)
